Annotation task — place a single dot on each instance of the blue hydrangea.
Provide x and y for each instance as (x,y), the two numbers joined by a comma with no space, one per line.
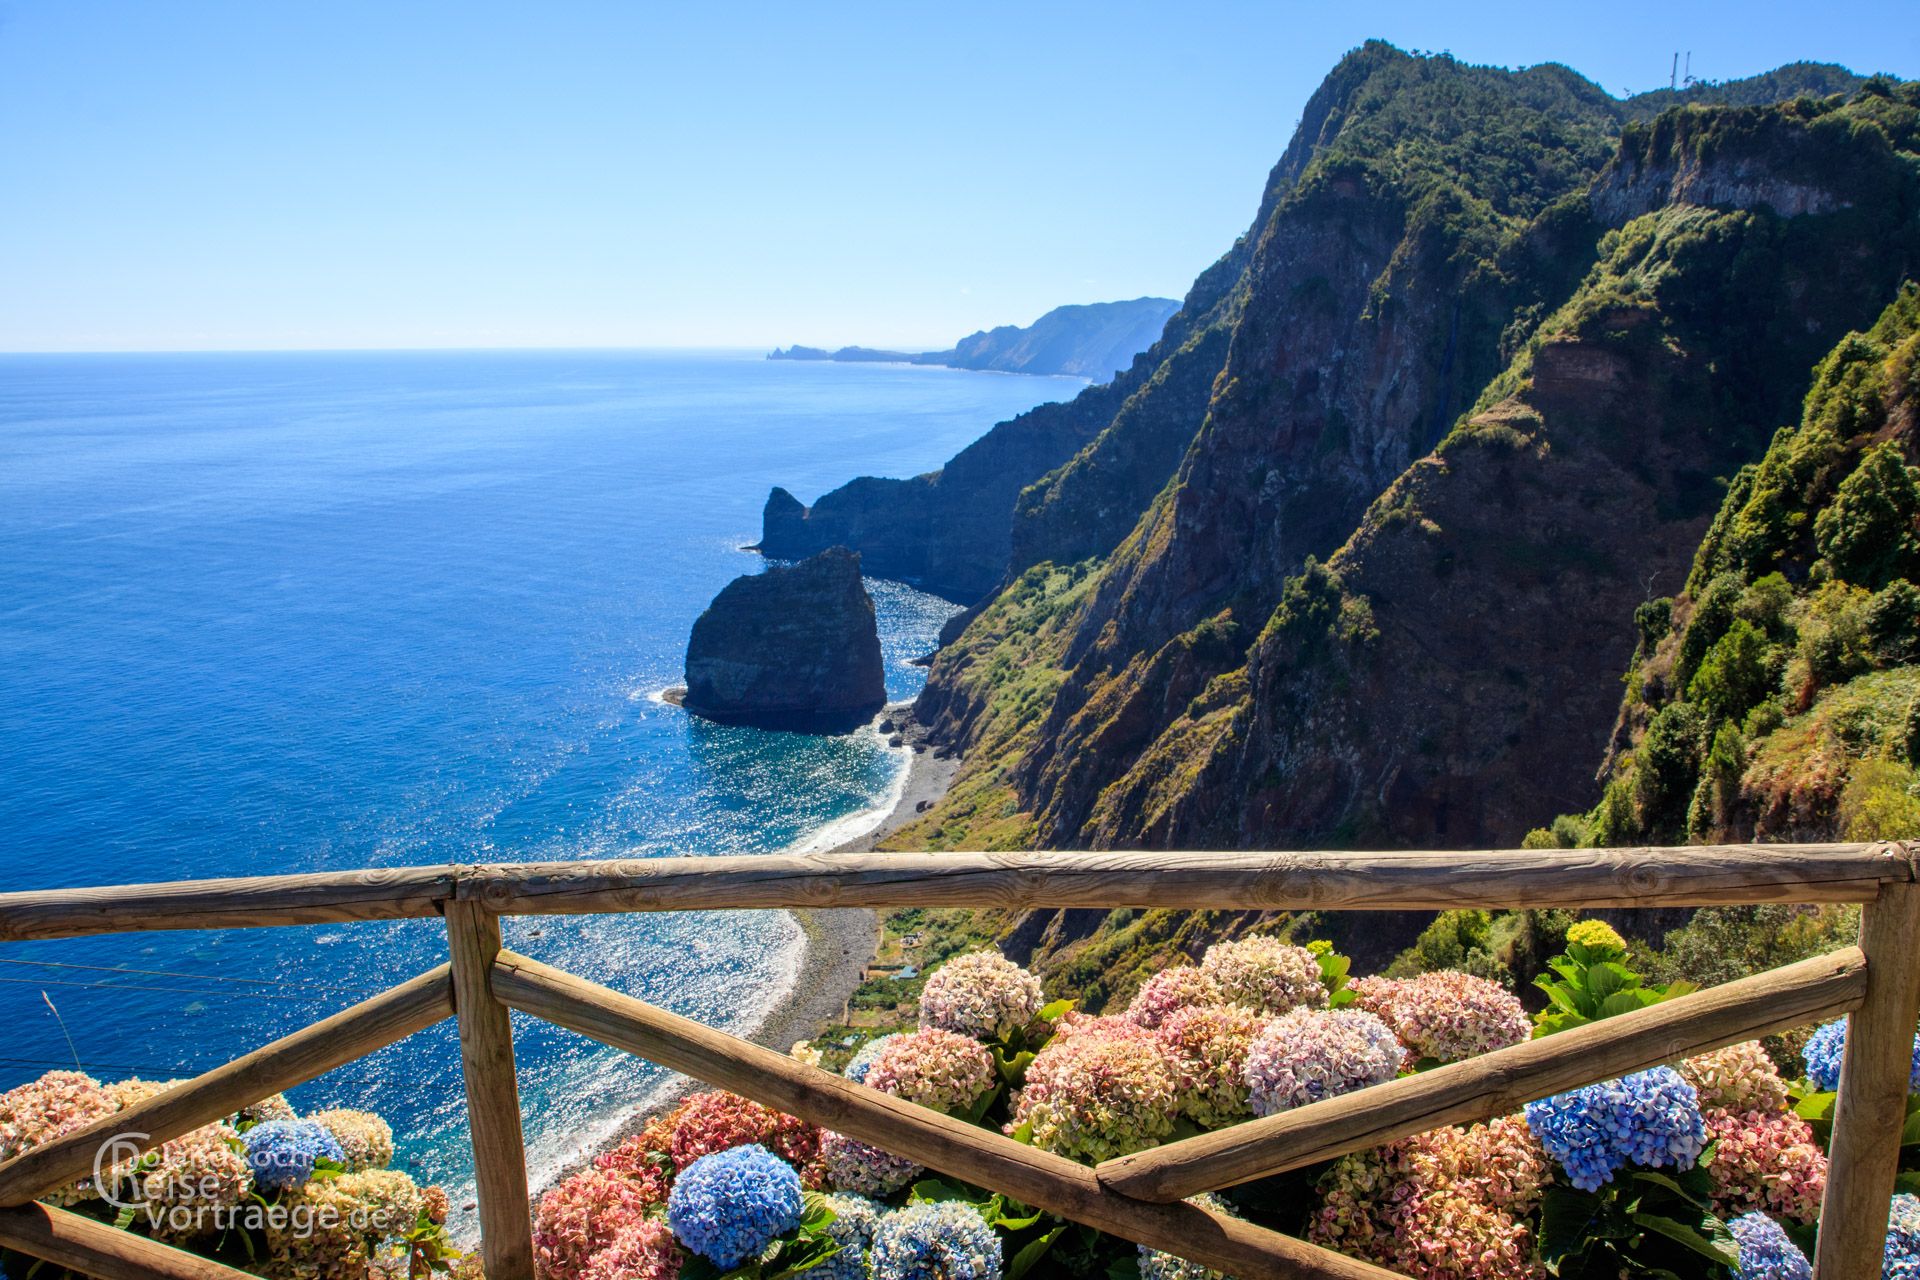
(1765,1251)
(854,1218)
(862,1062)
(1650,1118)
(729,1206)
(946,1240)
(1902,1258)
(1825,1049)
(282,1152)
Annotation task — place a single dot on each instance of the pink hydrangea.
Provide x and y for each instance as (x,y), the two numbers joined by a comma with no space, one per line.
(646,1158)
(193,1177)
(643,1251)
(1208,1048)
(1766,1161)
(854,1166)
(718,1121)
(1102,1091)
(1445,1016)
(1740,1077)
(1181,987)
(982,994)
(580,1217)
(1265,974)
(933,1068)
(1311,1054)
(51,1107)
(1450,1204)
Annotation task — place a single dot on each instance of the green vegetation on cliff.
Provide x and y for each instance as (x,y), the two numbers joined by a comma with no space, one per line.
(1778,696)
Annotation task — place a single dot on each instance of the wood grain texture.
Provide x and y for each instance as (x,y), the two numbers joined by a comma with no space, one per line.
(1865,1153)
(312,1051)
(493,1094)
(96,1249)
(1498,1083)
(1704,875)
(241,903)
(940,1142)
(1411,881)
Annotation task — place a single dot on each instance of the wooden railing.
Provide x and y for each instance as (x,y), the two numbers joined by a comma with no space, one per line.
(1141,1197)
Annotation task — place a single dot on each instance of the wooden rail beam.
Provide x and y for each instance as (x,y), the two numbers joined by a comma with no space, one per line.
(312,1051)
(96,1249)
(1342,880)
(324,897)
(493,1095)
(1864,1157)
(940,1142)
(1497,1083)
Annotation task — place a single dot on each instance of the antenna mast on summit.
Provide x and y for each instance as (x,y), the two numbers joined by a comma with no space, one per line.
(1673,76)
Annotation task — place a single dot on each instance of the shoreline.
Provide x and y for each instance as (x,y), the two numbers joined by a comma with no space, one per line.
(839,942)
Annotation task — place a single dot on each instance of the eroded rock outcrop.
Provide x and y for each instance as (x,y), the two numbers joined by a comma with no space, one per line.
(795,647)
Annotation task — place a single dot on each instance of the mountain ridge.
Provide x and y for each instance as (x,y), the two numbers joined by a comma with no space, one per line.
(1093,340)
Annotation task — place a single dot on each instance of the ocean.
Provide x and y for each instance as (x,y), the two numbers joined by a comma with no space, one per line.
(289,612)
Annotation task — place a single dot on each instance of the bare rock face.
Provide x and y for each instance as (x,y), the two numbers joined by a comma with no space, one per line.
(794,648)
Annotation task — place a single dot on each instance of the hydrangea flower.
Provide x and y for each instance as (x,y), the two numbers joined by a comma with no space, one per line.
(335,1226)
(947,1240)
(1649,1118)
(1827,1046)
(1597,935)
(729,1206)
(1311,1054)
(1445,1015)
(940,1069)
(1765,1251)
(1265,974)
(1765,1160)
(1155,1265)
(366,1141)
(582,1216)
(1450,1204)
(1902,1257)
(854,1166)
(642,1251)
(126,1093)
(862,1062)
(1181,987)
(51,1107)
(805,1051)
(1099,1092)
(981,994)
(1740,1077)
(1208,1048)
(194,1176)
(275,1108)
(282,1152)
(716,1120)
(854,1220)
(646,1158)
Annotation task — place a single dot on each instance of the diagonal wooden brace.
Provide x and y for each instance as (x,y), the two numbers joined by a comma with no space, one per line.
(927,1137)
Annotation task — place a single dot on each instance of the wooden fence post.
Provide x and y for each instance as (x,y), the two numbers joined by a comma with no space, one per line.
(1871,1108)
(493,1095)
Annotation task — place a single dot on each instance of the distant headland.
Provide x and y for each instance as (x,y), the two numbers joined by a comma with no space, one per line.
(1094,340)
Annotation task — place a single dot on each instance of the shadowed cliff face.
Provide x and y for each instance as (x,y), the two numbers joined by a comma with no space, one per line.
(795,647)
(1453,679)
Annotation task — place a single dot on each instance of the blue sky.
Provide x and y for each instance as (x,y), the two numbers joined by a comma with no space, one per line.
(196,174)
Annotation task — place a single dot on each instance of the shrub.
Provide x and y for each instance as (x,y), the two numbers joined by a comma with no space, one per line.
(1869,532)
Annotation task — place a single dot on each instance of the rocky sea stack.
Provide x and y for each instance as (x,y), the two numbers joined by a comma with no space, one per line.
(795,647)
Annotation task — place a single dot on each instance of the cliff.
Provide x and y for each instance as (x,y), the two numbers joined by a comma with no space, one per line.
(1777,696)
(950,531)
(795,647)
(1092,340)
(1448,675)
